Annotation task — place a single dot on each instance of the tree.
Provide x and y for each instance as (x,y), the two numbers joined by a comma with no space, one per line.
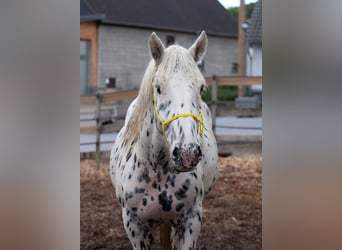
(249,9)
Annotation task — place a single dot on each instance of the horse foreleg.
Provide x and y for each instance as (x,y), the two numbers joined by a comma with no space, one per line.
(185,235)
(139,235)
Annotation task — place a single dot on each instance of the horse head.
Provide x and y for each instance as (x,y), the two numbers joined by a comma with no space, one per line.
(177,86)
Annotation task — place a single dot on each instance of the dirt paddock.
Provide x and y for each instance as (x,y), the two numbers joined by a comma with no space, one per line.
(231,211)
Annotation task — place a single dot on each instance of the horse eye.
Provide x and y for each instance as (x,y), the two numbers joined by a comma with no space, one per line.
(202,89)
(158,89)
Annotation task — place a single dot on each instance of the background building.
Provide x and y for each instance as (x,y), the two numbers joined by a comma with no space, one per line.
(114,38)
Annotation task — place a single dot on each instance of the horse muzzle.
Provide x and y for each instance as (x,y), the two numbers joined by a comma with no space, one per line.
(186,157)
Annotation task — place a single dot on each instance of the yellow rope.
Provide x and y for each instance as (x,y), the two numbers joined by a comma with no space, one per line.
(197,118)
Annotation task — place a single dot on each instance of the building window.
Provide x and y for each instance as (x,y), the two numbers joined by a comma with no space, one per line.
(111,83)
(235,67)
(84,67)
(170,40)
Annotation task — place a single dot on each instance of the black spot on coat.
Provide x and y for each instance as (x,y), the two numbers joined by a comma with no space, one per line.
(129,154)
(165,201)
(129,196)
(139,190)
(171,180)
(181,192)
(179,206)
(144,176)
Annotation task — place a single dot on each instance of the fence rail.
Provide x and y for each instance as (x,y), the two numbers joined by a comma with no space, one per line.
(233,80)
(113,98)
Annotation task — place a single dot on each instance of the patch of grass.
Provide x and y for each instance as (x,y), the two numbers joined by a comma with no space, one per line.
(224,93)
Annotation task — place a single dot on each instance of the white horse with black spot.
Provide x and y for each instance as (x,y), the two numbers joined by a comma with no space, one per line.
(165,159)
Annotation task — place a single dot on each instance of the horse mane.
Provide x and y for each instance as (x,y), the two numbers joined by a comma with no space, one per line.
(174,58)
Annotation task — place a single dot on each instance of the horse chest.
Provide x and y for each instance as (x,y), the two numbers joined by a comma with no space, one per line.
(161,196)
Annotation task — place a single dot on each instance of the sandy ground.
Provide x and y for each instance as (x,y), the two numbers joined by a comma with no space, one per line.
(231,214)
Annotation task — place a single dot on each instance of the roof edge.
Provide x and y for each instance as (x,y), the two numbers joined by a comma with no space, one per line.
(146,26)
(95,17)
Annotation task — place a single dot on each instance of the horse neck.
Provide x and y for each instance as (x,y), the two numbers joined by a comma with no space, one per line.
(152,144)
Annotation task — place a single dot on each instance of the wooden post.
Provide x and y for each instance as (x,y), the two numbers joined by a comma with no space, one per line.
(241,44)
(214,101)
(98,130)
(165,240)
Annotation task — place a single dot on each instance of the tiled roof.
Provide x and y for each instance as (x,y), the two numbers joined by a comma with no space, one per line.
(86,14)
(177,15)
(254,31)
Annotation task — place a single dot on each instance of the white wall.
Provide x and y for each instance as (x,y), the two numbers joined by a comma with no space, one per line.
(256,62)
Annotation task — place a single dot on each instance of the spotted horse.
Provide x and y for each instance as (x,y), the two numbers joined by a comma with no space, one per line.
(164,159)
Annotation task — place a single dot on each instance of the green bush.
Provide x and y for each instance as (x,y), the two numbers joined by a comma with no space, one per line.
(224,93)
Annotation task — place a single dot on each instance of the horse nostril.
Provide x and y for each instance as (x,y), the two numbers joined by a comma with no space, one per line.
(175,152)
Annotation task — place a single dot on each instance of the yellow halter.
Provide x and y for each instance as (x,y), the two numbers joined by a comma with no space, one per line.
(197,118)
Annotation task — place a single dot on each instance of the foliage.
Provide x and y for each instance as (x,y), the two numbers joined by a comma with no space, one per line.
(249,9)
(234,11)
(224,93)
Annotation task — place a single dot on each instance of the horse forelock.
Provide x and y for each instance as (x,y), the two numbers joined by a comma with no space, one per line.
(174,58)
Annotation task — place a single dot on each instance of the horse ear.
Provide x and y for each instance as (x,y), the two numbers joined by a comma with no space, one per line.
(198,49)
(156,48)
